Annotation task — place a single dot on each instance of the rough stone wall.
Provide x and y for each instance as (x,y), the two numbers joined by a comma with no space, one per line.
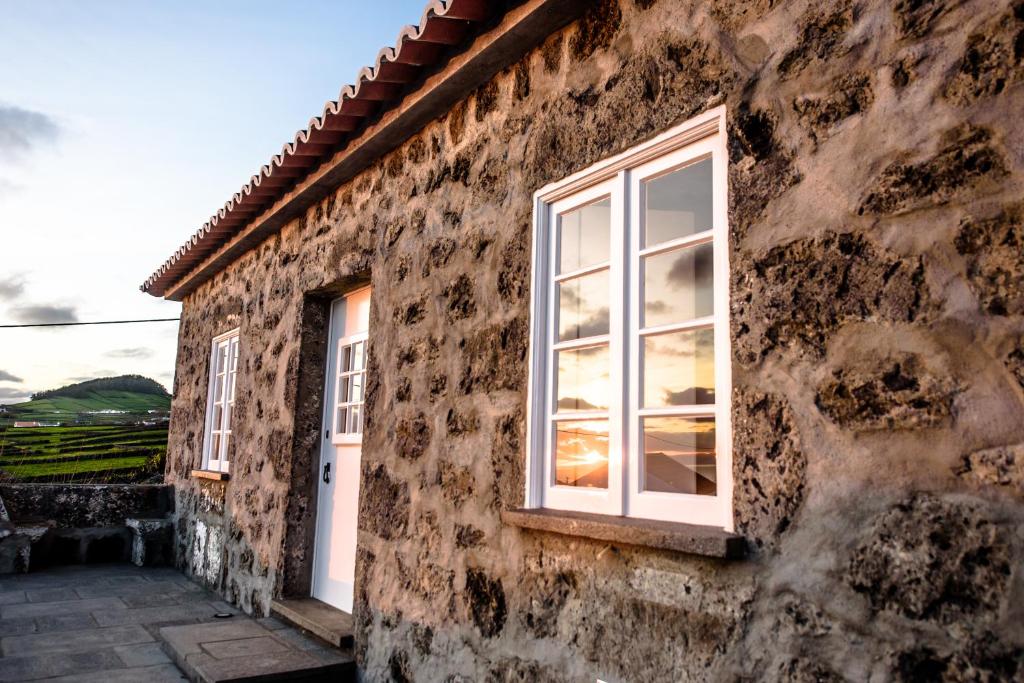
(876,170)
(73,506)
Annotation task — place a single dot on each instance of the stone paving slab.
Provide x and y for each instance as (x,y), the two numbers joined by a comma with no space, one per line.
(187,640)
(143,654)
(13,598)
(32,668)
(245,650)
(139,589)
(46,609)
(245,647)
(51,595)
(155,615)
(167,673)
(74,641)
(107,624)
(277,666)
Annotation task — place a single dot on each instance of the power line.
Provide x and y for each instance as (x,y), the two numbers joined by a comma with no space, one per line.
(100,322)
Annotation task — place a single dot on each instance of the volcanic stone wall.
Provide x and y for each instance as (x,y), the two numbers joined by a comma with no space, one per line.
(877,312)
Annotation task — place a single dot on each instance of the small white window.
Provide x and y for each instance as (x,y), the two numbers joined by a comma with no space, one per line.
(350,387)
(220,402)
(630,362)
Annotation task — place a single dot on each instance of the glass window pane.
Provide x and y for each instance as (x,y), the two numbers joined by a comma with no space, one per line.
(358,356)
(343,390)
(583,306)
(215,446)
(225,442)
(222,357)
(355,420)
(583,236)
(218,415)
(341,426)
(346,358)
(218,388)
(679,455)
(231,380)
(356,390)
(678,204)
(678,285)
(583,379)
(679,369)
(581,453)
(234,355)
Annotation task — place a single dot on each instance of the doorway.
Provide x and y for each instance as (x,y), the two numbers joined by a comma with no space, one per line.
(334,556)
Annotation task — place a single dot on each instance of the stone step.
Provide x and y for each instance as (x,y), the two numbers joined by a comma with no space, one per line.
(241,649)
(330,624)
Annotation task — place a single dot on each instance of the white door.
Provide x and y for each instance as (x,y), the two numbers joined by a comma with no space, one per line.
(334,557)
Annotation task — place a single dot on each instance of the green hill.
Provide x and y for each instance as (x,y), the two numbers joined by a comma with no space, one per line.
(110,400)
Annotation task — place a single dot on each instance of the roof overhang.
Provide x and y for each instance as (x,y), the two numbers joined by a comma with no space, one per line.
(458,46)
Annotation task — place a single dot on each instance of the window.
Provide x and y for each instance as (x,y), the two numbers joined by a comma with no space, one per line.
(220,402)
(629,373)
(350,386)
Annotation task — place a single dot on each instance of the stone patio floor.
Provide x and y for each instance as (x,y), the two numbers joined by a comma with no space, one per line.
(114,623)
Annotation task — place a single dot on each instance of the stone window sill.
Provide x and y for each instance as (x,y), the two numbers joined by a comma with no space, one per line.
(684,538)
(210,474)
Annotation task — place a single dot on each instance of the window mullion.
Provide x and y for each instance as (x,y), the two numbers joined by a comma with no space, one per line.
(634,299)
(618,346)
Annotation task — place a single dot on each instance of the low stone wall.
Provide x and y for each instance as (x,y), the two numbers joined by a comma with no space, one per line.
(86,505)
(76,524)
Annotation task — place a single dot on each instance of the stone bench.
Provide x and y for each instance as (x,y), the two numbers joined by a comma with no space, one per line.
(17,541)
(152,541)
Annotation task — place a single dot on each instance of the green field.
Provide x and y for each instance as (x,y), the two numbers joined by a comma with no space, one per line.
(87,454)
(96,407)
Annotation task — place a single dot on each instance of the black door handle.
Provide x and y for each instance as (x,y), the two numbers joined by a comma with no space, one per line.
(327,473)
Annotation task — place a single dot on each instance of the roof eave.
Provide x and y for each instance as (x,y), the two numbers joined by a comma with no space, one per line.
(495,48)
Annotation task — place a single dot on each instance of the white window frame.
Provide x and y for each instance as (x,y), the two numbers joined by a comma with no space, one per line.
(341,434)
(218,461)
(620,178)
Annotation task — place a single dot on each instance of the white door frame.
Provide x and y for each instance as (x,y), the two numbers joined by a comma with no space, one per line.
(330,439)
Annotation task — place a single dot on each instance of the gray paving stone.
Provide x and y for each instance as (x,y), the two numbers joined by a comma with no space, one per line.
(30,668)
(144,654)
(158,599)
(65,622)
(46,609)
(154,615)
(186,640)
(261,667)
(271,623)
(136,588)
(17,627)
(299,640)
(224,607)
(51,594)
(245,647)
(12,598)
(74,641)
(167,673)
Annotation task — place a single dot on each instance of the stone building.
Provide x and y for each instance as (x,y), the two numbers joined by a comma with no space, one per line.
(632,340)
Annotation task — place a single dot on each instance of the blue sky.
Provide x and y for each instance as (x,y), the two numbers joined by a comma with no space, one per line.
(123,127)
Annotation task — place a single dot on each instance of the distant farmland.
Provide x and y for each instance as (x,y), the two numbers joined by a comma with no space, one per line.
(90,454)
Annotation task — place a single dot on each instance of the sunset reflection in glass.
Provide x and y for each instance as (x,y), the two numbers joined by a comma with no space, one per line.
(679,369)
(583,306)
(581,453)
(583,236)
(583,379)
(678,204)
(678,285)
(679,455)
